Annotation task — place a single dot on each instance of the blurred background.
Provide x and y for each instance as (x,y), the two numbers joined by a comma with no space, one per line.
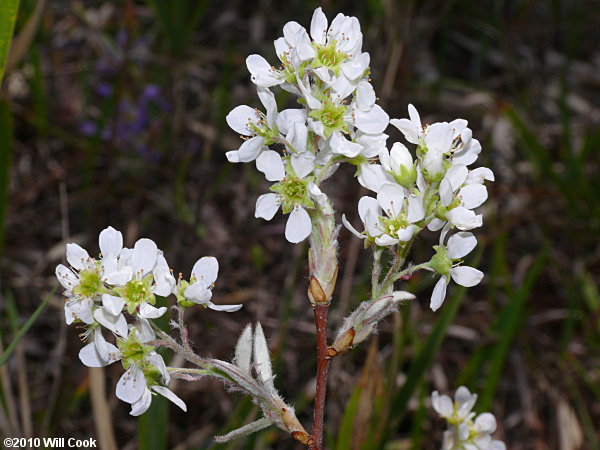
(113,113)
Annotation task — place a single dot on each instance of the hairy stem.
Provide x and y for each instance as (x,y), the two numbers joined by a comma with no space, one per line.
(323,361)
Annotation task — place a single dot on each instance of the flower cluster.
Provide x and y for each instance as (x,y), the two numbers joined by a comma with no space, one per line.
(339,121)
(102,294)
(465,431)
(436,190)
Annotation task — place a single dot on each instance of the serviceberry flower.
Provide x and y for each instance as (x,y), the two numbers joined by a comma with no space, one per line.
(465,430)
(397,225)
(447,263)
(198,291)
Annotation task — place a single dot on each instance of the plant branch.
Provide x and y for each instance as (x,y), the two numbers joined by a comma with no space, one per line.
(323,361)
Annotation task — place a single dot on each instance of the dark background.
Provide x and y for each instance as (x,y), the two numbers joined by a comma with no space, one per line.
(118,113)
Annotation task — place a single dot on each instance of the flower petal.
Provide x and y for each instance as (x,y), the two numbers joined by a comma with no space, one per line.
(170,395)
(266,206)
(461,244)
(391,199)
(261,72)
(473,195)
(374,121)
(298,226)
(112,304)
(90,356)
(439,294)
(250,149)
(466,276)
(225,308)
(318,26)
(131,385)
(66,277)
(77,256)
(111,242)
(117,324)
(241,118)
(143,259)
(198,293)
(416,212)
(270,163)
(148,311)
(206,270)
(349,226)
(303,163)
(141,406)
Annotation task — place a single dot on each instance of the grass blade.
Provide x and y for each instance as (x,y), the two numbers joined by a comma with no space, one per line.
(8,17)
(11,347)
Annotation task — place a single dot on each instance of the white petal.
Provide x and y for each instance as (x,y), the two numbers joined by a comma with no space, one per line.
(385,240)
(77,256)
(439,137)
(460,244)
(100,343)
(391,199)
(86,310)
(473,195)
(170,395)
(224,308)
(365,95)
(198,293)
(120,277)
(456,175)
(466,276)
(148,311)
(90,357)
(465,401)
(416,212)
(433,162)
(270,163)
(479,175)
(298,226)
(446,194)
(464,219)
(117,324)
(486,423)
(157,361)
(266,206)
(66,277)
(366,204)
(298,137)
(400,157)
(112,304)
(372,176)
(145,253)
(439,294)
(442,404)
(304,48)
(341,145)
(408,129)
(144,330)
(436,225)
(318,26)
(131,385)
(406,234)
(349,226)
(372,122)
(141,406)
(250,149)
(206,269)
(356,67)
(267,98)
(240,119)
(288,117)
(261,72)
(111,242)
(467,155)
(303,163)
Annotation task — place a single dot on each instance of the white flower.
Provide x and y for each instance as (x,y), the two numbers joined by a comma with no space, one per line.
(444,263)
(464,432)
(85,281)
(260,128)
(199,289)
(398,223)
(143,273)
(292,195)
(398,162)
(144,369)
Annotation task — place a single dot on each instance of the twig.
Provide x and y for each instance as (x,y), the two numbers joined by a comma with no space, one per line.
(320,310)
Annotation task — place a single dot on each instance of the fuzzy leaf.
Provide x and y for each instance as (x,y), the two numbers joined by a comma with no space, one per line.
(243,350)
(250,428)
(262,359)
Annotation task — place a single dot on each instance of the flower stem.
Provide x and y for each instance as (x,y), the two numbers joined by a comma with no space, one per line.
(320,311)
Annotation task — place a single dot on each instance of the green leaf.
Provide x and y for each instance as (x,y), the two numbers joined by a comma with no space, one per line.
(26,326)
(8,17)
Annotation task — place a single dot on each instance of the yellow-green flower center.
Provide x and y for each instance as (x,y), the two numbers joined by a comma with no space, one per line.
(90,284)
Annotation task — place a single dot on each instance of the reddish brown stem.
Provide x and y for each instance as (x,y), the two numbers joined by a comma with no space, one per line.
(320,310)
